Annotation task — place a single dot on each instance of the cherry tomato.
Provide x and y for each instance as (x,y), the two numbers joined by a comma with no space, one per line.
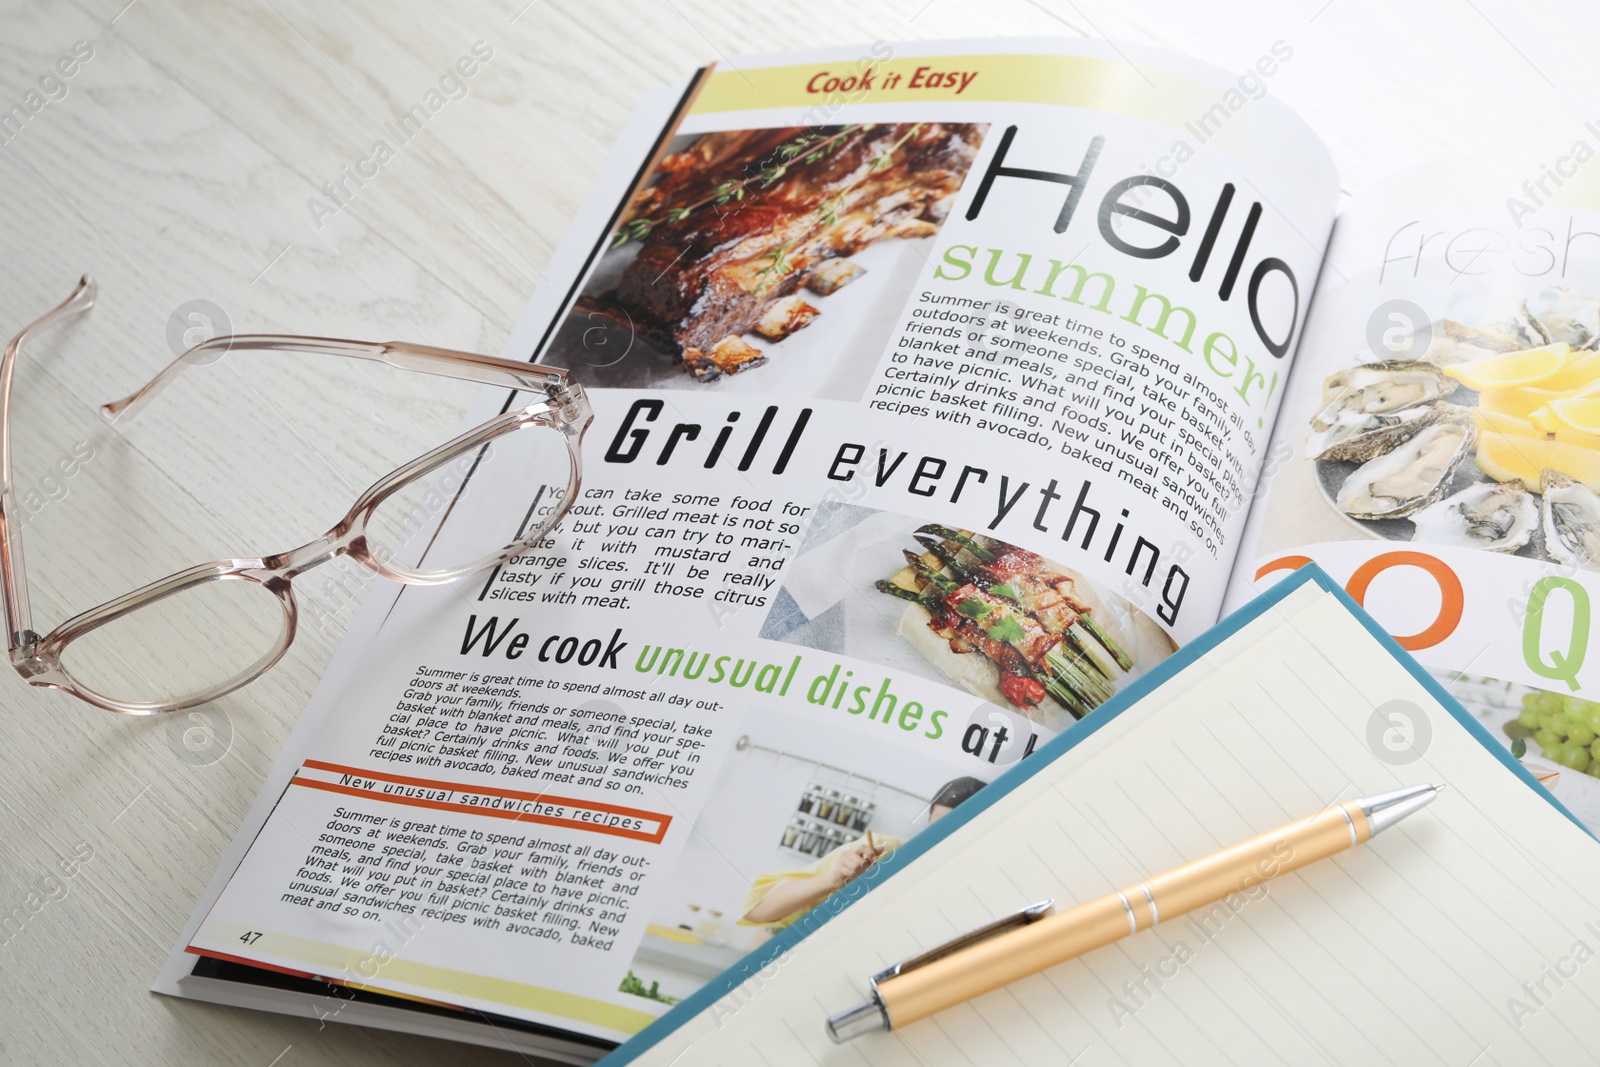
(1023,692)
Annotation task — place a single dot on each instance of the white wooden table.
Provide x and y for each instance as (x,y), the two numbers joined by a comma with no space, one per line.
(179,162)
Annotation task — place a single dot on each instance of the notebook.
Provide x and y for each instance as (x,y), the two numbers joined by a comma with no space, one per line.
(1464,935)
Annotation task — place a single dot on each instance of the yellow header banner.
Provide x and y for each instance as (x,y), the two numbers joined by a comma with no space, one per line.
(1113,85)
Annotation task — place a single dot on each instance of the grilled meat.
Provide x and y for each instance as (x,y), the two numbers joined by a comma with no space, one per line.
(739,220)
(1030,648)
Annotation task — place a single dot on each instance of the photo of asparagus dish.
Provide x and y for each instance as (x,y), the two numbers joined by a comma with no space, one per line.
(1040,631)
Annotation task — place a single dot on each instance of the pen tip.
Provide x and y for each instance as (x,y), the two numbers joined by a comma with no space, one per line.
(1386,809)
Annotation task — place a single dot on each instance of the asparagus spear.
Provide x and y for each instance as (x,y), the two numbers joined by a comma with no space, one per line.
(930,574)
(1083,641)
(948,558)
(1124,660)
(965,540)
(1058,662)
(1075,706)
(883,585)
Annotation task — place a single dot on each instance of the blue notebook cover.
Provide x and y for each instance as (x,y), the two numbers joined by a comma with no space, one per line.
(996,792)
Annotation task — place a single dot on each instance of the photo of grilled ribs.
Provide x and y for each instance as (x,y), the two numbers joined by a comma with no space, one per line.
(738,232)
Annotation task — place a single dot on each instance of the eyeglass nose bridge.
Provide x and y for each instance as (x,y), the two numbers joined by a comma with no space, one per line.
(289,565)
(349,536)
(348,539)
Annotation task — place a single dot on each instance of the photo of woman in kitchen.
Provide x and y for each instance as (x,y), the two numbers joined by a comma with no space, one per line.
(778,899)
(792,817)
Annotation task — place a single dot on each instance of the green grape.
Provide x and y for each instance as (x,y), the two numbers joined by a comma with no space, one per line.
(1541,699)
(1552,719)
(1594,720)
(1581,735)
(1549,742)
(1594,752)
(1574,756)
(1529,718)
(1580,710)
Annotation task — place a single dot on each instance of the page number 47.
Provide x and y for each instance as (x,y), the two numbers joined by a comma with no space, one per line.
(250,937)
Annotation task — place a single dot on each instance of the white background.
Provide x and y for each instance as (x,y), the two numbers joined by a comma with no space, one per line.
(178,167)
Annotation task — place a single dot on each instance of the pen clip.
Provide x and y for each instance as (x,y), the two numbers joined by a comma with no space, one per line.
(1032,913)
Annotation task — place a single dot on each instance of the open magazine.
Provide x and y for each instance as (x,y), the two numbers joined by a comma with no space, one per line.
(936,390)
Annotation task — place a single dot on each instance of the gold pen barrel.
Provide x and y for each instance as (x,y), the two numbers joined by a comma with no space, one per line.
(1242,867)
(1008,957)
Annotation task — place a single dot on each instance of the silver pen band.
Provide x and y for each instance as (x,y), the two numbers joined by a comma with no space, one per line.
(1355,838)
(1155,915)
(1133,922)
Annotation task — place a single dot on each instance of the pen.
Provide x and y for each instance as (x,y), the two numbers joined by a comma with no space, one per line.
(1033,939)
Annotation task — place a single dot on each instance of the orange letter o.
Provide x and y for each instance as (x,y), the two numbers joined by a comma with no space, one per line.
(1282,563)
(1451,596)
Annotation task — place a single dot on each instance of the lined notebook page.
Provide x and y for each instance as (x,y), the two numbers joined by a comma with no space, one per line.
(1458,937)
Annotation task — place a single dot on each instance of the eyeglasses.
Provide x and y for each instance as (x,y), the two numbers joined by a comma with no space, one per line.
(205,631)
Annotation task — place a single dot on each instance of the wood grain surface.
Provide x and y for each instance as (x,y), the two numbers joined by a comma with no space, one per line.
(178,164)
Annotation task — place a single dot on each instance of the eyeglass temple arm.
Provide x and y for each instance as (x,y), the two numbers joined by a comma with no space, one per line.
(487,370)
(13,575)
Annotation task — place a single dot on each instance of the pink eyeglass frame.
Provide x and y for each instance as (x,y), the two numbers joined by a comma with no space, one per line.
(37,659)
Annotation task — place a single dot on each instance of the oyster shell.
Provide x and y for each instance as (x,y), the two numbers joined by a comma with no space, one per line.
(1456,342)
(1370,409)
(1358,438)
(1381,388)
(1526,324)
(1567,316)
(1413,475)
(1498,516)
(1522,326)
(1571,520)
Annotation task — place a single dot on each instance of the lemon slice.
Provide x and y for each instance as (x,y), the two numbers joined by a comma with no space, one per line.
(1578,437)
(1494,422)
(1516,403)
(1578,413)
(1491,421)
(1545,420)
(1515,458)
(1582,371)
(1504,370)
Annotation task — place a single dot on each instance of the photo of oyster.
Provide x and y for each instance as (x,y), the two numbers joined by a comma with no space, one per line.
(1371,408)
(1500,517)
(1571,520)
(1491,439)
(1411,475)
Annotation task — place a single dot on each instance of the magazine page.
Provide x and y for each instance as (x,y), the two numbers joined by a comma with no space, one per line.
(929,383)
(1439,451)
